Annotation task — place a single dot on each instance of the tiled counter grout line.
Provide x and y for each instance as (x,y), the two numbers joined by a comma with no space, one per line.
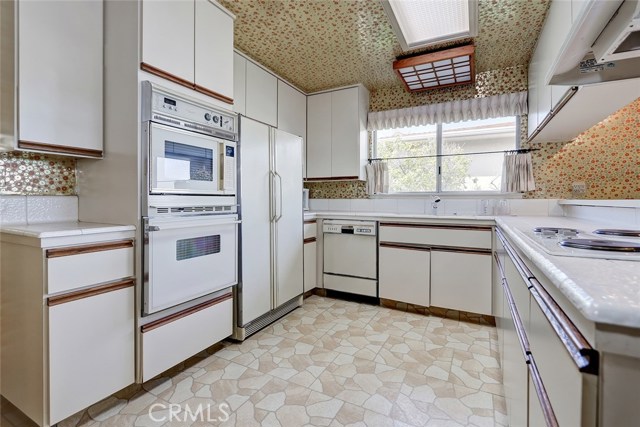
(331,363)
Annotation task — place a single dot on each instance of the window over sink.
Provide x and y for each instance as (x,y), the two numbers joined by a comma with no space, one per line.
(447,157)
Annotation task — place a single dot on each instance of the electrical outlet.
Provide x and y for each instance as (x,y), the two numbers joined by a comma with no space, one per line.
(579,187)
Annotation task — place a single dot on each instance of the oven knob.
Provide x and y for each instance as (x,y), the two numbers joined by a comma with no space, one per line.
(215,119)
(207,116)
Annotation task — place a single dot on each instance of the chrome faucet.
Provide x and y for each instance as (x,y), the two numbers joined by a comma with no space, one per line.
(434,205)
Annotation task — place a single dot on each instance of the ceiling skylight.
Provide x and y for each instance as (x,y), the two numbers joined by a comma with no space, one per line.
(419,23)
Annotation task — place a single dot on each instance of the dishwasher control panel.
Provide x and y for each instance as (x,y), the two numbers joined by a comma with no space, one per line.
(367,228)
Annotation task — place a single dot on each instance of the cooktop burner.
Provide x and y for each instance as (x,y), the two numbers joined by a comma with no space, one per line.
(554,230)
(617,232)
(601,245)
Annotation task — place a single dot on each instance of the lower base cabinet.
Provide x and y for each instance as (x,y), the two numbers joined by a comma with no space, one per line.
(310,262)
(404,274)
(91,350)
(466,289)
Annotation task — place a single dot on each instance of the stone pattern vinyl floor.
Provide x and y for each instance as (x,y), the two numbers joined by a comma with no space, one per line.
(329,363)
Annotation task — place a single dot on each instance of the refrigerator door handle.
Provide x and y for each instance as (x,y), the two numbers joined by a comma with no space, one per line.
(280,195)
(272,203)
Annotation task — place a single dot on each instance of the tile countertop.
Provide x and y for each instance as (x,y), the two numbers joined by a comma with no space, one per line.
(63,233)
(604,291)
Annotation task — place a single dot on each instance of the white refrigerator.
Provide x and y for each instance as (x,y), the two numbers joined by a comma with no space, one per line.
(271,231)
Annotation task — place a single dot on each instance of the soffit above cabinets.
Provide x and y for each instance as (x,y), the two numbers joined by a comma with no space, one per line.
(322,44)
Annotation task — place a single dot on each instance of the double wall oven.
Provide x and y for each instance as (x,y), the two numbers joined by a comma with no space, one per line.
(189,205)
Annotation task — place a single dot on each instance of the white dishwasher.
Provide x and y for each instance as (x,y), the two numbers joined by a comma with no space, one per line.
(351,256)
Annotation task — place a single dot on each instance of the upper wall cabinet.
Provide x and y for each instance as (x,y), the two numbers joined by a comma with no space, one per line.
(52,76)
(261,101)
(336,134)
(292,113)
(190,42)
(560,113)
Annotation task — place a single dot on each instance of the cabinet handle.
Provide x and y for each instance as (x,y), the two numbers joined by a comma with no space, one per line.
(503,276)
(309,240)
(85,249)
(90,292)
(410,247)
(513,309)
(179,315)
(436,226)
(60,149)
(584,356)
(543,397)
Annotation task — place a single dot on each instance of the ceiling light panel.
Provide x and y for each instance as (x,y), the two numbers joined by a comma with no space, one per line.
(435,70)
(419,23)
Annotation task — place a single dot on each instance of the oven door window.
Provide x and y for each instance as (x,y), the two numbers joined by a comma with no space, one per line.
(182,162)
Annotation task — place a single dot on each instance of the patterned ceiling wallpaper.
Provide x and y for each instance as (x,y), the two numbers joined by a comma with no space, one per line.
(322,44)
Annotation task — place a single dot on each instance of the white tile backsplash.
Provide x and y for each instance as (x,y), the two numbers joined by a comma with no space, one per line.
(362,205)
(318,205)
(340,205)
(458,207)
(529,207)
(13,210)
(411,206)
(42,209)
(385,205)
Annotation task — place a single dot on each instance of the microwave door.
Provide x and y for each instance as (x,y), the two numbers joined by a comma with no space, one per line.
(182,162)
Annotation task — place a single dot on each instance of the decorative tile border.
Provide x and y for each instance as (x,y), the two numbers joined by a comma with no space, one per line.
(37,174)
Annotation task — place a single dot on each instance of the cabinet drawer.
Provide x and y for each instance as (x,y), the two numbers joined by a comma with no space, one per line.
(171,340)
(79,266)
(457,236)
(352,285)
(310,229)
(91,350)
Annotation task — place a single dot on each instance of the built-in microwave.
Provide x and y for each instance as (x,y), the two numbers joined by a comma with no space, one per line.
(182,162)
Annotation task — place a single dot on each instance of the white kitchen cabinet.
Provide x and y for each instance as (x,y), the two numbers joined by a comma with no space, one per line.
(91,350)
(213,49)
(168,42)
(52,77)
(292,114)
(319,135)
(337,141)
(404,274)
(239,83)
(66,349)
(261,95)
(467,289)
(190,42)
(310,255)
(310,269)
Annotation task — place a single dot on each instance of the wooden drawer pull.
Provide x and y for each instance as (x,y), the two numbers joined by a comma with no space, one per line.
(437,226)
(90,292)
(179,315)
(309,240)
(85,249)
(410,247)
(59,149)
(310,221)
(541,392)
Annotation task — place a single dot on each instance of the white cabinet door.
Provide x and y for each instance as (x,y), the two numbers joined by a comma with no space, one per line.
(310,268)
(319,135)
(404,275)
(239,84)
(255,295)
(289,276)
(345,126)
(468,288)
(261,95)
(60,69)
(91,350)
(292,114)
(213,49)
(168,36)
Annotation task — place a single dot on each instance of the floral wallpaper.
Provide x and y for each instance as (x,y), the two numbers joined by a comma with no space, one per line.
(37,174)
(606,157)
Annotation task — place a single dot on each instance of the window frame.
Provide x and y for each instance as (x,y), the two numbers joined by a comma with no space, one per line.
(439,157)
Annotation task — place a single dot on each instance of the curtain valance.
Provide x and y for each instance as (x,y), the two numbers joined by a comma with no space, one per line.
(509,104)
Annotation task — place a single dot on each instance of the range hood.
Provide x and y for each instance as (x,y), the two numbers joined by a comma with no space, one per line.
(603,45)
